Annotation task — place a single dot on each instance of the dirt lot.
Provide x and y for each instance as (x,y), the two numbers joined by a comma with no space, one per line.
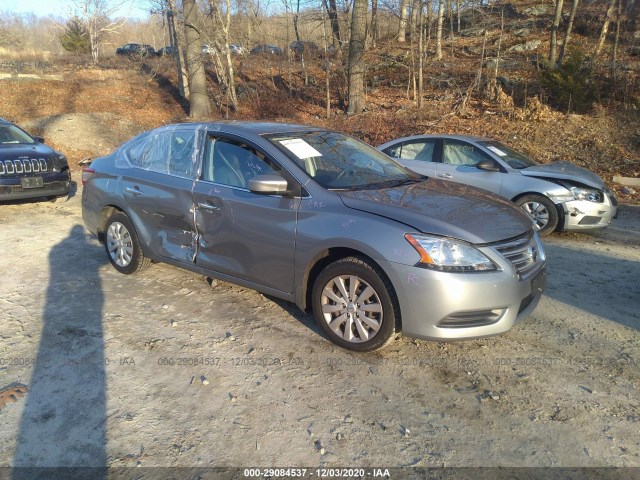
(163,369)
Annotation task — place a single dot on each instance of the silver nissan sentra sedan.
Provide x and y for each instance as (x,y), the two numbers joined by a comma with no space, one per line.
(557,196)
(321,219)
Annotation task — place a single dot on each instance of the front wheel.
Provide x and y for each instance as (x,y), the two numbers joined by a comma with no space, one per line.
(354,304)
(122,245)
(542,211)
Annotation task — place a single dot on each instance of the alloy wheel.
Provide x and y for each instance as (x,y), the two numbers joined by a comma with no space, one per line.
(351,308)
(119,244)
(538,213)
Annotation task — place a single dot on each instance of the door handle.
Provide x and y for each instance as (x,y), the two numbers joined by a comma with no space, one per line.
(445,175)
(134,191)
(208,206)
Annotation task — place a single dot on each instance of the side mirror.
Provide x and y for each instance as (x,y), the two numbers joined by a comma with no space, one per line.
(488,165)
(39,139)
(268,184)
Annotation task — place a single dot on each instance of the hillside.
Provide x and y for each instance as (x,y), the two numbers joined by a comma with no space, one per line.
(121,97)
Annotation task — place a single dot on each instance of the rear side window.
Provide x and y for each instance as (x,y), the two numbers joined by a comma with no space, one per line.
(421,151)
(170,152)
(133,150)
(456,152)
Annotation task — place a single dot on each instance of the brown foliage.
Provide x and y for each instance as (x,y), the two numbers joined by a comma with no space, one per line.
(11,395)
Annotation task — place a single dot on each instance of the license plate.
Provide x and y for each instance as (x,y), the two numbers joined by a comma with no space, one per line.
(31,182)
(538,283)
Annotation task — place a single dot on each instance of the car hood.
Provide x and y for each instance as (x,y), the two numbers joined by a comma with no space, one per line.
(444,208)
(36,150)
(564,171)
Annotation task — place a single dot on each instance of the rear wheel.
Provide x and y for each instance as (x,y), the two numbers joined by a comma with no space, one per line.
(122,245)
(542,212)
(354,304)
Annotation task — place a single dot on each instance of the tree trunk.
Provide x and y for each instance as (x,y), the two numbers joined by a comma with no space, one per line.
(553,44)
(614,53)
(183,78)
(439,29)
(402,29)
(567,34)
(296,17)
(413,20)
(605,28)
(420,55)
(458,14)
(200,104)
(374,22)
(356,57)
(332,11)
(327,77)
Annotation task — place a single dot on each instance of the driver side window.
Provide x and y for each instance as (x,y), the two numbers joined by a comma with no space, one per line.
(456,152)
(232,163)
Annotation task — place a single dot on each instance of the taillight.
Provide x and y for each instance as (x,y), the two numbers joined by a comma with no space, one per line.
(86,175)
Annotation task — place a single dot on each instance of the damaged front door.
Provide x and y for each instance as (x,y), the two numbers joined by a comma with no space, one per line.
(247,235)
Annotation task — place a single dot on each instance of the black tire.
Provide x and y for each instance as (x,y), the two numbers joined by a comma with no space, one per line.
(350,312)
(122,245)
(542,212)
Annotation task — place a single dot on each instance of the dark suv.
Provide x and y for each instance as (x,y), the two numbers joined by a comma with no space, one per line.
(28,168)
(136,50)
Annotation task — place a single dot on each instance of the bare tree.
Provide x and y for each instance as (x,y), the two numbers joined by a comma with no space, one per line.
(374,22)
(96,16)
(420,24)
(614,53)
(200,104)
(553,44)
(605,28)
(567,33)
(356,57)
(332,12)
(223,20)
(402,29)
(439,29)
(169,8)
(327,76)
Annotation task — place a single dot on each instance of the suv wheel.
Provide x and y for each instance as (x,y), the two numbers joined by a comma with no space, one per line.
(355,305)
(122,245)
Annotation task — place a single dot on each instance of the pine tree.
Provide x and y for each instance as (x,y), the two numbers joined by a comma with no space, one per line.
(75,37)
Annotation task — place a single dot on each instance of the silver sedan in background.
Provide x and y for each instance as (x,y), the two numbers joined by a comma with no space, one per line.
(557,196)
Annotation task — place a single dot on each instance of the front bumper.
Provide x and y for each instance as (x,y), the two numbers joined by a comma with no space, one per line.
(54,184)
(585,215)
(460,306)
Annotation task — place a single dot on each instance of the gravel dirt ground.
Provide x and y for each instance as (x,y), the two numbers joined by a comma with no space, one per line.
(165,369)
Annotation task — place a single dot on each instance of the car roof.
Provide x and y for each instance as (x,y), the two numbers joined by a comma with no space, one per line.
(3,121)
(256,128)
(468,138)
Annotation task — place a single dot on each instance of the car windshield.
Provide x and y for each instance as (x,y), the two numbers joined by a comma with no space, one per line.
(10,134)
(340,162)
(513,158)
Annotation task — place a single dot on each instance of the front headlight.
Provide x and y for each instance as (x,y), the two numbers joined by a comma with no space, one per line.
(588,194)
(447,255)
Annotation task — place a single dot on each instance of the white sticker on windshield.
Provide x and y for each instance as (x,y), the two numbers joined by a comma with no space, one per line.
(300,148)
(497,151)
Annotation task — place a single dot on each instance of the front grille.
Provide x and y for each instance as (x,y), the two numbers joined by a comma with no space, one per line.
(476,318)
(33,165)
(523,253)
